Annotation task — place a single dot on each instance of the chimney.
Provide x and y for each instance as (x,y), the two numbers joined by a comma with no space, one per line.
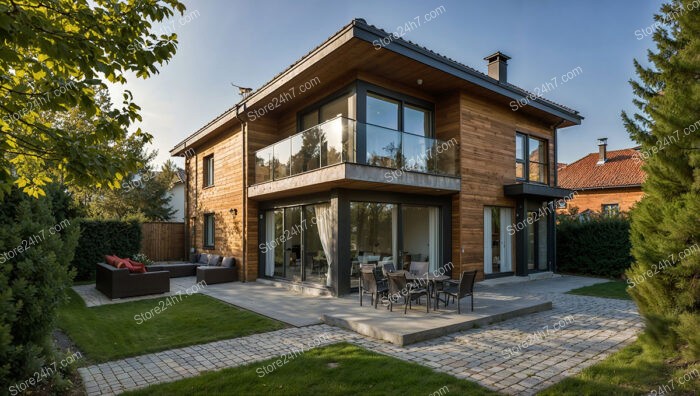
(498,66)
(602,150)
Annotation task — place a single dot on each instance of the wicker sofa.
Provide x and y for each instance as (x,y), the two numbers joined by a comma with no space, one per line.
(218,271)
(119,283)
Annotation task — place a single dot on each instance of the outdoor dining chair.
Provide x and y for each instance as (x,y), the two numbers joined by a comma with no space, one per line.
(370,285)
(387,268)
(419,267)
(399,286)
(461,289)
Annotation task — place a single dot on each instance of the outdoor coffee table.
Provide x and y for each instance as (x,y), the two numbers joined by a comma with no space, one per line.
(432,281)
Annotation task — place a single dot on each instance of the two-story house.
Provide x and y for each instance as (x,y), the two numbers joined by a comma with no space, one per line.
(372,149)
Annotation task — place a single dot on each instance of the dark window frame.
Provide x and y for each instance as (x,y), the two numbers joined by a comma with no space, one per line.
(360,89)
(208,169)
(347,90)
(205,237)
(526,158)
(364,88)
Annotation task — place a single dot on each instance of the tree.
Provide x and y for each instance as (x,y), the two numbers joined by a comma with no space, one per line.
(144,195)
(665,229)
(54,56)
(37,244)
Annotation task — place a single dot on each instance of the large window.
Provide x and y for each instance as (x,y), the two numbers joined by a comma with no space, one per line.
(398,115)
(343,106)
(373,232)
(382,111)
(531,162)
(209,230)
(209,171)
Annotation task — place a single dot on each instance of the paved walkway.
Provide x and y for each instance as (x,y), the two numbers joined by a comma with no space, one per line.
(518,356)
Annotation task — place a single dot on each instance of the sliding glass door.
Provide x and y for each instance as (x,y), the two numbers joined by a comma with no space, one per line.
(397,234)
(297,243)
(420,235)
(372,235)
(498,243)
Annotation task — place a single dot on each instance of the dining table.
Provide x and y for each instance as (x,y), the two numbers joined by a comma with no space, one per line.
(431,280)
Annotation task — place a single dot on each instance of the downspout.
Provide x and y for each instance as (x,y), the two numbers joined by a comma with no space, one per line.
(188,232)
(244,206)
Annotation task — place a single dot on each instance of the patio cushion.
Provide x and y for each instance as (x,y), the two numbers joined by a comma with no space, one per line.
(214,260)
(228,262)
(111,260)
(135,263)
(203,258)
(134,269)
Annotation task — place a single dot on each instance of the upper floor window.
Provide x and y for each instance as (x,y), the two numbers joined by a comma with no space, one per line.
(209,170)
(341,106)
(398,115)
(531,162)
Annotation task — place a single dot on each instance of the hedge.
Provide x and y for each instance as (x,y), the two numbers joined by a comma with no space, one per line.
(595,245)
(101,237)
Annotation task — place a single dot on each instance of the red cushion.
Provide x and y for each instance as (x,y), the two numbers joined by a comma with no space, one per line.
(140,267)
(135,263)
(111,260)
(132,268)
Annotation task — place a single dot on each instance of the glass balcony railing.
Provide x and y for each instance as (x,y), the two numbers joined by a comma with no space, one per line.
(344,140)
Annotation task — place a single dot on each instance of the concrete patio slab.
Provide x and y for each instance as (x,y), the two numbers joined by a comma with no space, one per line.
(417,325)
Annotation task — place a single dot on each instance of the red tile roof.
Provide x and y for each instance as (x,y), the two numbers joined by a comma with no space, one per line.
(621,169)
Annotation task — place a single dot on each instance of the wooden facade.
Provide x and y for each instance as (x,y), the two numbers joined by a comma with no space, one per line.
(473,112)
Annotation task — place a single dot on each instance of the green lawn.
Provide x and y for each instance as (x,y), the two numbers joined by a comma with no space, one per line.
(110,332)
(339,369)
(614,289)
(632,371)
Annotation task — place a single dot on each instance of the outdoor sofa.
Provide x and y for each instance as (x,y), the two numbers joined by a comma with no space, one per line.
(120,283)
(222,272)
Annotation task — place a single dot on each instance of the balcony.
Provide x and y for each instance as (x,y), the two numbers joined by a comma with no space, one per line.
(342,140)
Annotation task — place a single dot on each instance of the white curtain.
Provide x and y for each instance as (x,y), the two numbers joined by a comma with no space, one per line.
(506,240)
(325,224)
(488,265)
(434,237)
(270,240)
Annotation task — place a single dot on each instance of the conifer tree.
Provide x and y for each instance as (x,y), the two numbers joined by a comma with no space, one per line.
(665,233)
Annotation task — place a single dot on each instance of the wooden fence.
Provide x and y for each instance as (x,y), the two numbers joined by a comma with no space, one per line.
(163,241)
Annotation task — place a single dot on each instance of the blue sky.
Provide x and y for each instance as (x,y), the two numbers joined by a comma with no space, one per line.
(248,42)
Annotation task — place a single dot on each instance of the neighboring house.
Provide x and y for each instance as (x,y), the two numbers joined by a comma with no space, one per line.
(606,181)
(177,192)
(372,149)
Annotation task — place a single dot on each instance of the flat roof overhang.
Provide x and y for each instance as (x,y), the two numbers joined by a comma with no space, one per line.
(355,176)
(532,190)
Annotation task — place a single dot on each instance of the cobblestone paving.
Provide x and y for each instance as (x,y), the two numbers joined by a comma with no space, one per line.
(520,356)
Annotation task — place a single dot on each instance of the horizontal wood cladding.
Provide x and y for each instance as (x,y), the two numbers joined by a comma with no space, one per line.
(487,162)
(595,199)
(219,199)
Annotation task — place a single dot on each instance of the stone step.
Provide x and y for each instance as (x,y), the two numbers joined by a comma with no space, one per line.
(301,288)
